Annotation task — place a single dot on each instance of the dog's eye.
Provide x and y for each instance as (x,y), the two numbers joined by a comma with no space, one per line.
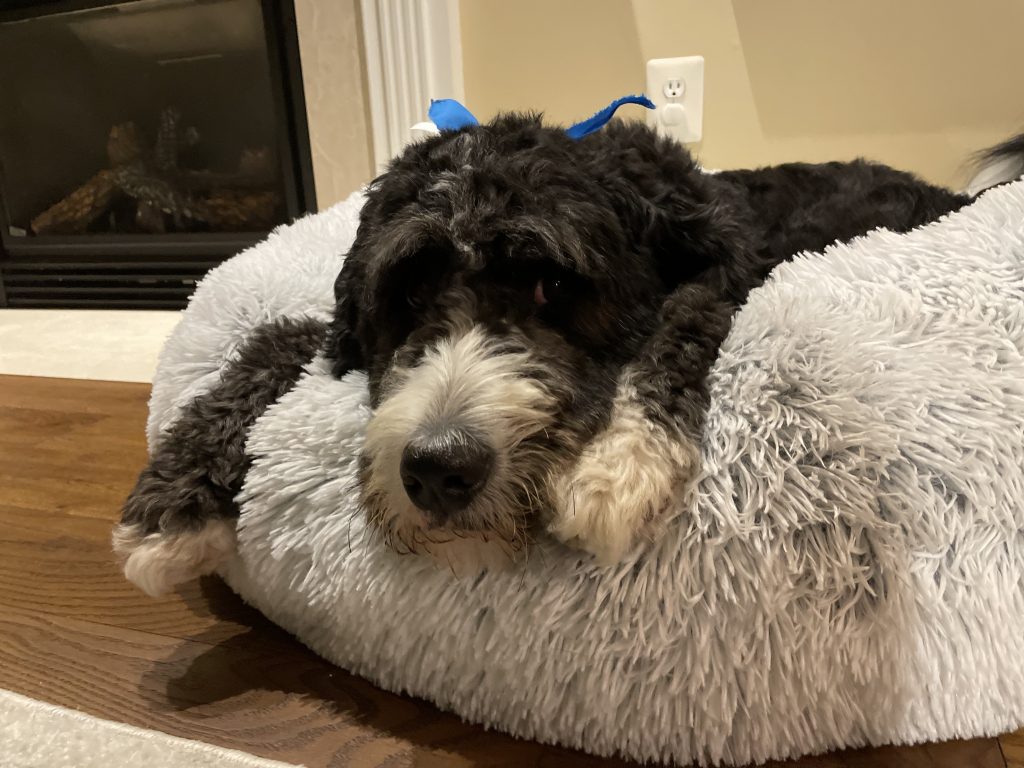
(416,297)
(548,290)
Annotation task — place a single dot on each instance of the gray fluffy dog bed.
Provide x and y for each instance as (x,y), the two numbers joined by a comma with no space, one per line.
(849,570)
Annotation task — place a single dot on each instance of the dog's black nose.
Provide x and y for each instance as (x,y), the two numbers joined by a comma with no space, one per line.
(443,472)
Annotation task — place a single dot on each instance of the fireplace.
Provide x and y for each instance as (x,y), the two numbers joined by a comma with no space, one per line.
(142,143)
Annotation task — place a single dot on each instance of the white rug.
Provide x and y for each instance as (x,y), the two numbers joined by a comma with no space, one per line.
(38,735)
(110,345)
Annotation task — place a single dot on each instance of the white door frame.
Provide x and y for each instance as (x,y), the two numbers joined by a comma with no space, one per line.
(413,54)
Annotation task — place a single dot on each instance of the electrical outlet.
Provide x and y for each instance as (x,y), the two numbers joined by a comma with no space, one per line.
(674,89)
(676,86)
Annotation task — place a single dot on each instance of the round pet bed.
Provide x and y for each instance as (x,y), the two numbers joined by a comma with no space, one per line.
(849,572)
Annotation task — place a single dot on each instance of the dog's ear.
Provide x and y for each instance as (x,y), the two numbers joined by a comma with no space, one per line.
(681,216)
(687,231)
(344,349)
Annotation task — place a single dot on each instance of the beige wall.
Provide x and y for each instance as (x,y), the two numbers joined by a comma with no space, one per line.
(334,77)
(919,84)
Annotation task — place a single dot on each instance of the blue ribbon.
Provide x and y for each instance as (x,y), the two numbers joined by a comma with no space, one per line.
(591,124)
(450,115)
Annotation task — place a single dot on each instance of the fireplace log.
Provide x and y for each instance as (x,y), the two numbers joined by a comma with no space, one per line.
(166,197)
(76,211)
(235,210)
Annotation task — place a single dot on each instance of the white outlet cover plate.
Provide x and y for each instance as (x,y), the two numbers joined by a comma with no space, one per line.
(682,118)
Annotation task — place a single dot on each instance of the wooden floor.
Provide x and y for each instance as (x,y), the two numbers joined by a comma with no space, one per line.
(200,664)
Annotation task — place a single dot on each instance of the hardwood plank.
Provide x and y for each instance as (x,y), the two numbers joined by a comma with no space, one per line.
(1013,748)
(82,462)
(75,396)
(974,753)
(61,565)
(281,701)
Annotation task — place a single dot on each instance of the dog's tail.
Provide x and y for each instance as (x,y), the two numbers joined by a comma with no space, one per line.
(998,165)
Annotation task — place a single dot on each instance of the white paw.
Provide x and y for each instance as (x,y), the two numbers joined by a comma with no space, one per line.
(621,486)
(158,562)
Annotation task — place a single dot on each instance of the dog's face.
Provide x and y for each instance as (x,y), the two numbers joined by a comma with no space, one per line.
(501,278)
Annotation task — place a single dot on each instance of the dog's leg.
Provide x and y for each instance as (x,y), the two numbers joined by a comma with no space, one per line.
(179,521)
(649,453)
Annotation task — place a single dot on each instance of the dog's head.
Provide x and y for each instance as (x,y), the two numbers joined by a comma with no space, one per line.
(501,279)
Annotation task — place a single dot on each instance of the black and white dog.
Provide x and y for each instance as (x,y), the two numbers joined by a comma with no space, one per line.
(538,316)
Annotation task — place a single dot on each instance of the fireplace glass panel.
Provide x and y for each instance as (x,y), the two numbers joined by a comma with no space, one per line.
(144,117)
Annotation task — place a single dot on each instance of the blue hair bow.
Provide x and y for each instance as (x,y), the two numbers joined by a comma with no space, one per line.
(450,115)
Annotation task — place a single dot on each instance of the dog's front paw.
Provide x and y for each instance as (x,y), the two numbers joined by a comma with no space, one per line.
(159,561)
(621,486)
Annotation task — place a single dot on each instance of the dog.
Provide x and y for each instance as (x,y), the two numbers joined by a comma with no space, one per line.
(537,316)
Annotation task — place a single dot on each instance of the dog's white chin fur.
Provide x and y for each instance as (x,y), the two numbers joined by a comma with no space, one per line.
(158,562)
(472,380)
(623,484)
(469,554)
(463,553)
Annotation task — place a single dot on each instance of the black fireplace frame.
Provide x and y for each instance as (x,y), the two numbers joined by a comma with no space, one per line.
(155,271)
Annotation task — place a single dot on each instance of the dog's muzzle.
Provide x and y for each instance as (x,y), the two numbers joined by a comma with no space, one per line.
(443,472)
